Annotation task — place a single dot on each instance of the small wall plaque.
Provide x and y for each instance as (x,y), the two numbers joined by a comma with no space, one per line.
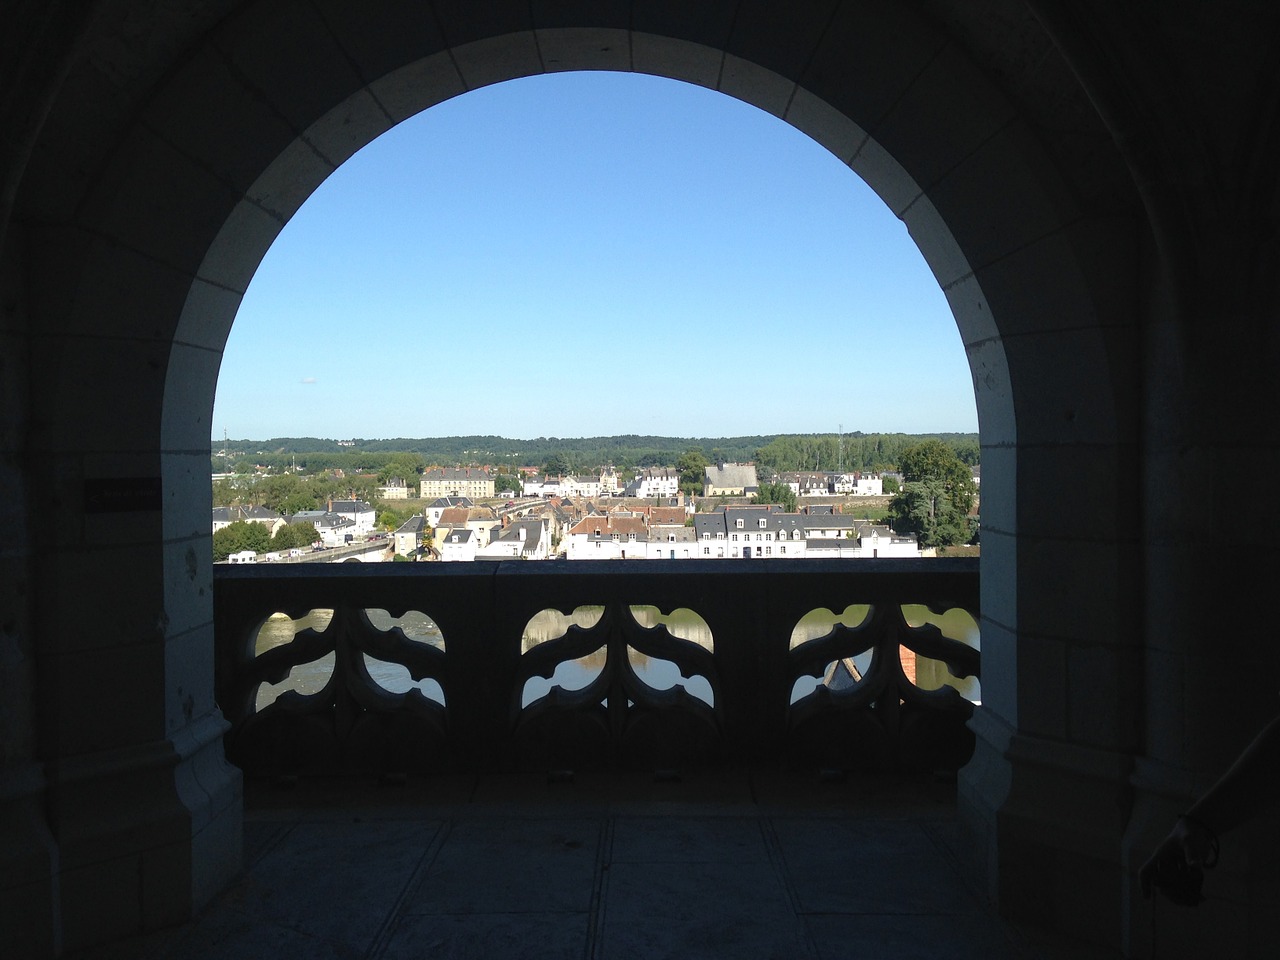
(122,495)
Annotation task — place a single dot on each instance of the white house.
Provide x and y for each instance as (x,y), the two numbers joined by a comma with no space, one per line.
(602,537)
(859,484)
(225,516)
(654,483)
(457,545)
(332,528)
(671,541)
(407,538)
(479,520)
(522,539)
(536,486)
(878,540)
(362,514)
(396,489)
(441,504)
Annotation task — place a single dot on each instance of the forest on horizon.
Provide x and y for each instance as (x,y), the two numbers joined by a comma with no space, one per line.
(778,452)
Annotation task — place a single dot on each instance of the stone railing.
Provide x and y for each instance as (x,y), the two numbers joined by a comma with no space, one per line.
(491,707)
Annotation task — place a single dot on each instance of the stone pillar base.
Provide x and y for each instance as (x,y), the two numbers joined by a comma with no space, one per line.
(147,835)
(28,866)
(1045,822)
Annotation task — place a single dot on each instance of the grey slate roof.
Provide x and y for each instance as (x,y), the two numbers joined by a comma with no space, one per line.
(414,524)
(731,475)
(457,473)
(451,502)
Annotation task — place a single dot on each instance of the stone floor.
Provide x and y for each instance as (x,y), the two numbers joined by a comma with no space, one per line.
(733,866)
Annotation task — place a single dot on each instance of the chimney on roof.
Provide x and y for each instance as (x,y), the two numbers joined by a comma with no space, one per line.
(330,508)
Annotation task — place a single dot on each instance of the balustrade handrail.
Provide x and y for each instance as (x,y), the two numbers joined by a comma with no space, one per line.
(751,607)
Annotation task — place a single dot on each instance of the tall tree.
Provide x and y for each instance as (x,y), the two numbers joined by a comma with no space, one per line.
(779,493)
(692,466)
(240,536)
(936,496)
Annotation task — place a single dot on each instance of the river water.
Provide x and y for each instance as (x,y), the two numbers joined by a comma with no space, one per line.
(574,674)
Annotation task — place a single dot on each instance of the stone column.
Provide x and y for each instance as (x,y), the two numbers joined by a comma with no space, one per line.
(1045,799)
(28,853)
(1212,671)
(144,810)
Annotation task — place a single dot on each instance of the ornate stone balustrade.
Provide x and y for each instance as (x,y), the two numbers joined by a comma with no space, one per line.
(489,707)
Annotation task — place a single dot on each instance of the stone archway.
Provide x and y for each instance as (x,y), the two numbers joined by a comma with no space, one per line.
(136,282)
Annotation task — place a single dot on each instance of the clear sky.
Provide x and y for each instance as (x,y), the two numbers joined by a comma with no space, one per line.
(590,254)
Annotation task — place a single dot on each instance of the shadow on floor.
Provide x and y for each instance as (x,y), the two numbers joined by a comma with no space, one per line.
(615,866)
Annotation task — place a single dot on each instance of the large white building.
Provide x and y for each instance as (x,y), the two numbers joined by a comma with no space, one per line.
(765,531)
(457,482)
(654,483)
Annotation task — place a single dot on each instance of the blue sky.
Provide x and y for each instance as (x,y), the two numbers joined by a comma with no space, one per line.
(592,254)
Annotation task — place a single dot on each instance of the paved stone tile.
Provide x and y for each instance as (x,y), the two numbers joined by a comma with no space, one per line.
(487,936)
(699,910)
(870,867)
(259,836)
(509,865)
(225,933)
(337,882)
(688,840)
(862,937)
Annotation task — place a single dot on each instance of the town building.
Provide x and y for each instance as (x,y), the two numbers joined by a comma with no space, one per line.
(395,489)
(528,539)
(479,520)
(408,537)
(654,483)
(225,516)
(438,506)
(605,537)
(857,484)
(333,529)
(456,545)
(474,482)
(730,480)
(363,515)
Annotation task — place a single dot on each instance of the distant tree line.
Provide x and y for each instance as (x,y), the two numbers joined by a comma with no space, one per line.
(407,458)
(869,452)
